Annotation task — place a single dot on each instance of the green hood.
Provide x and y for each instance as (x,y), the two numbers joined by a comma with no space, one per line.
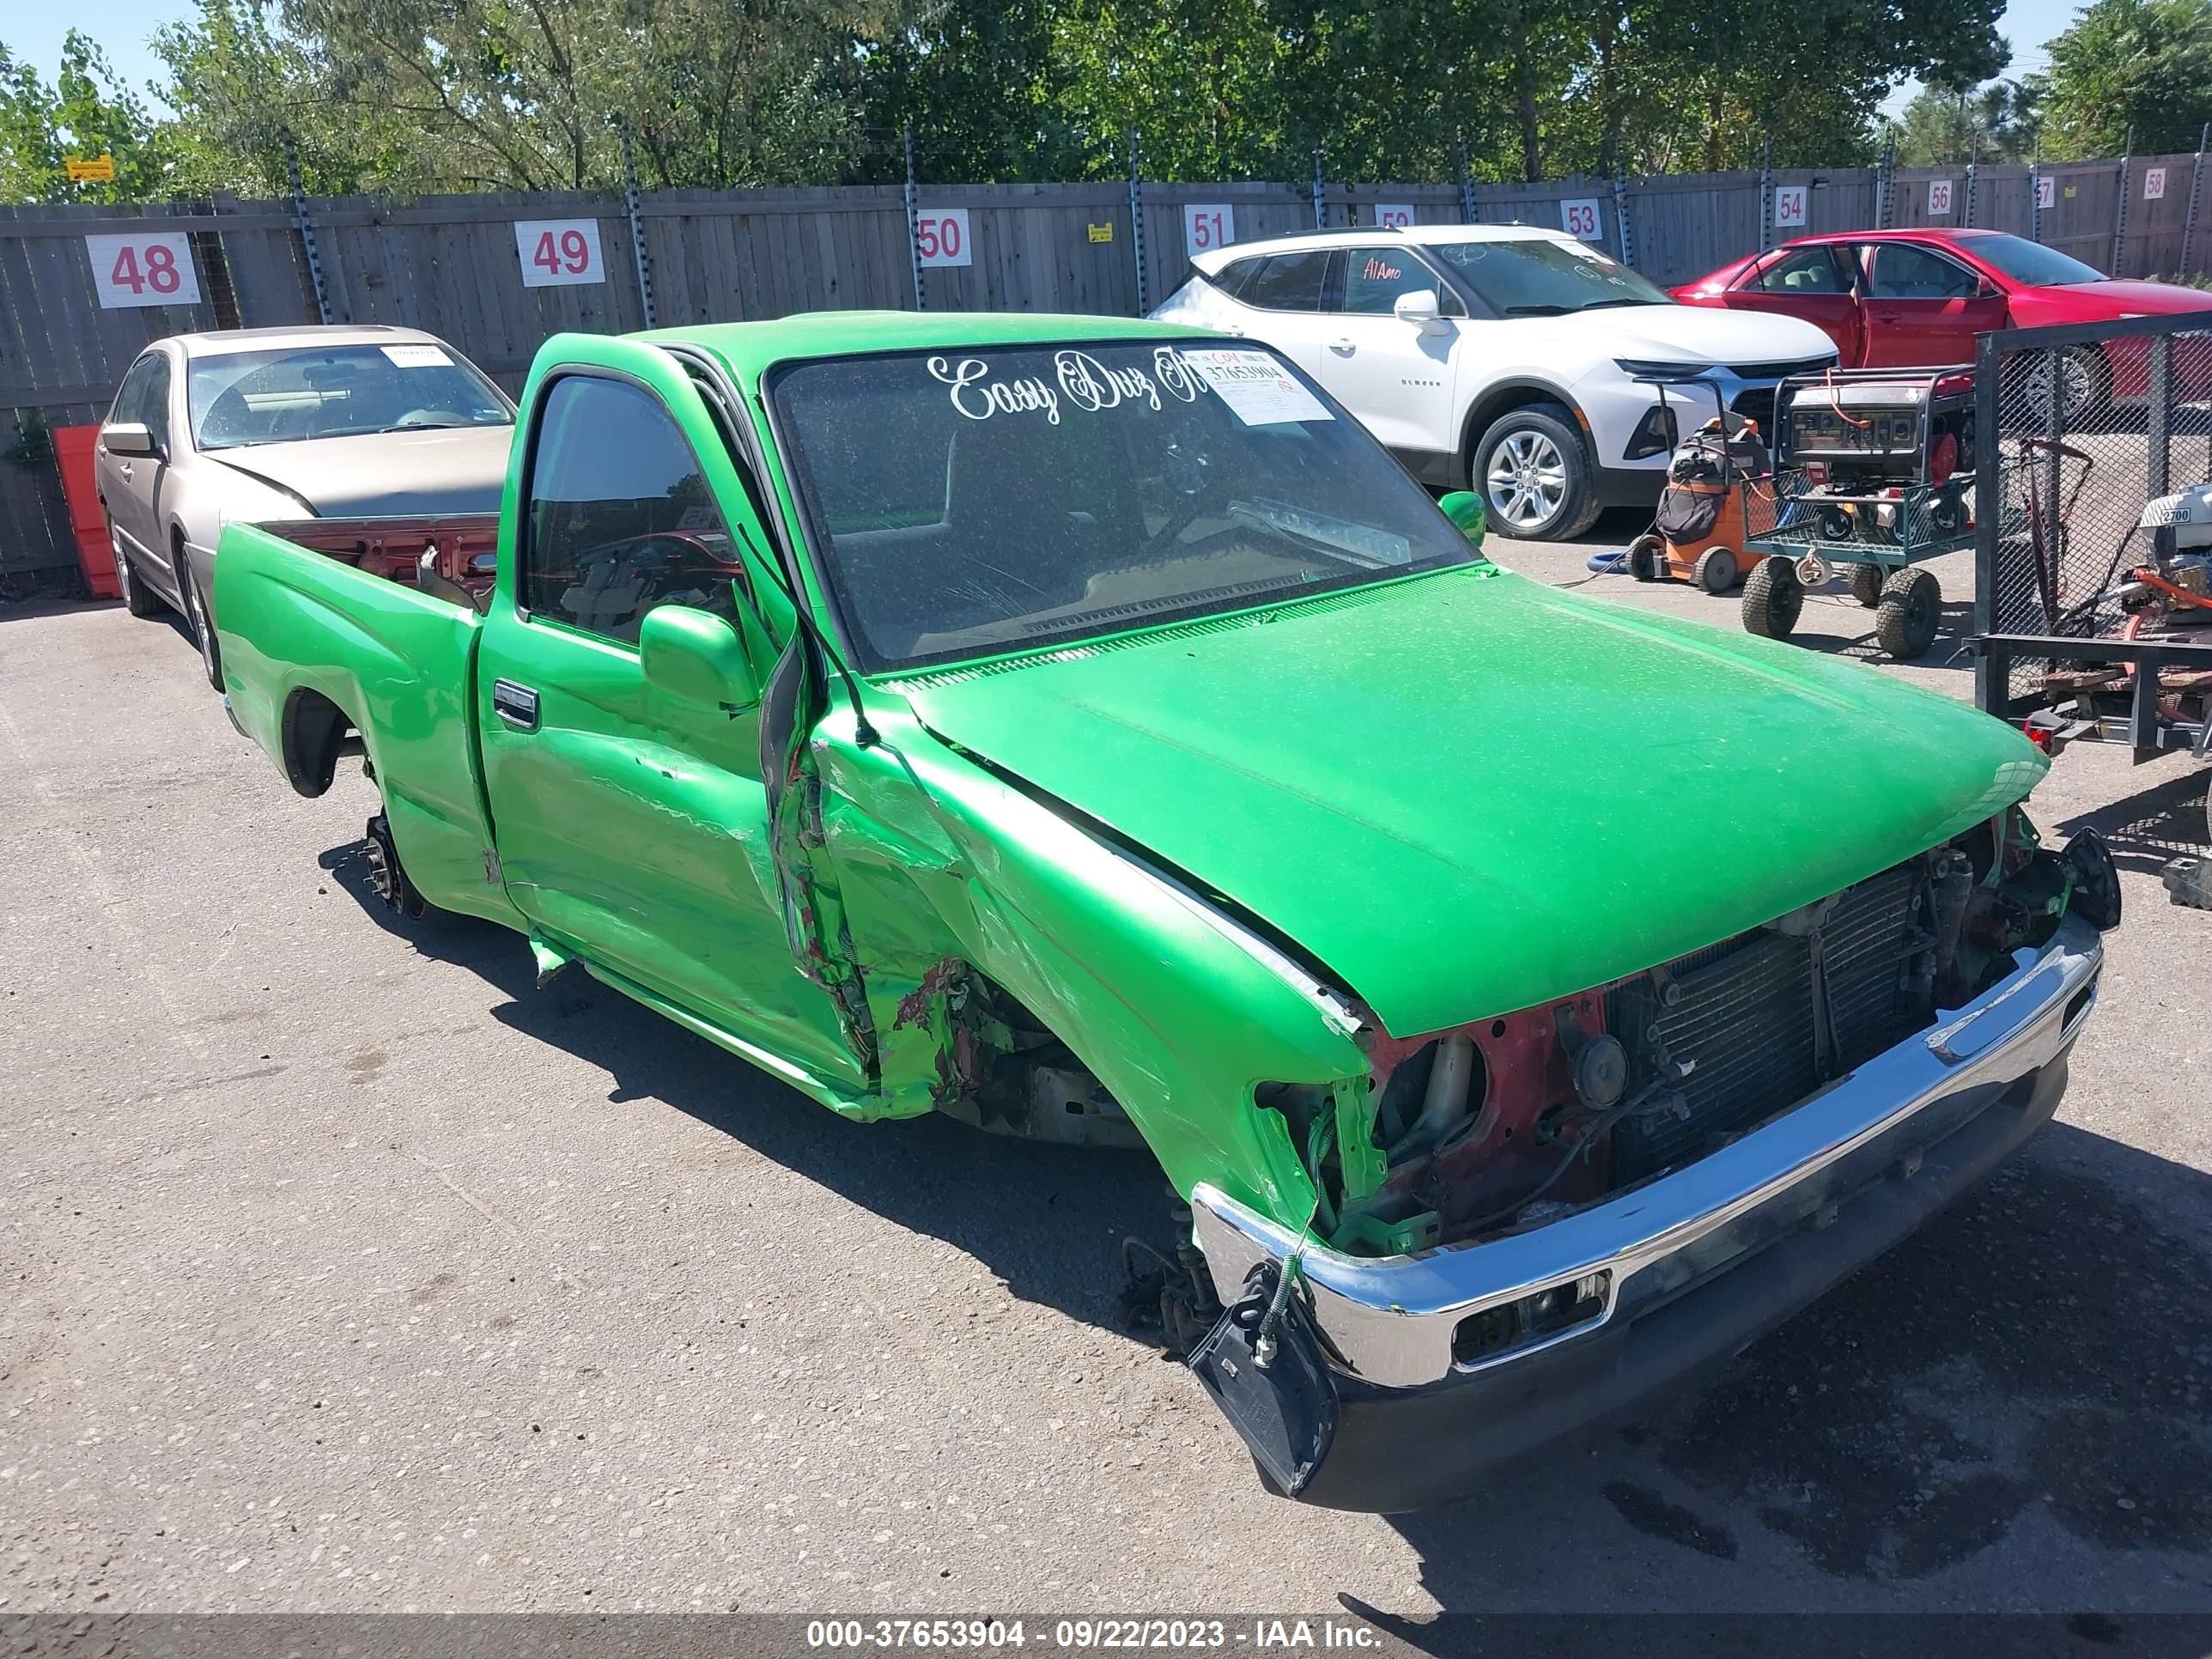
(1465,793)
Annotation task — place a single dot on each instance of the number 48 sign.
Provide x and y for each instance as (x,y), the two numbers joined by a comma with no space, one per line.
(143,270)
(559,253)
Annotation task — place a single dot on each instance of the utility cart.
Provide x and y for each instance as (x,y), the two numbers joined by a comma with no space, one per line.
(1874,470)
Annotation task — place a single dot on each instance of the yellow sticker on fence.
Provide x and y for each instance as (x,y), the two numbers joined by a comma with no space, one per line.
(1103,232)
(90,169)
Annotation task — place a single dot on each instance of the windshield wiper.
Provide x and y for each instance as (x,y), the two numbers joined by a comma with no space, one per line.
(422,426)
(1602,305)
(1539,311)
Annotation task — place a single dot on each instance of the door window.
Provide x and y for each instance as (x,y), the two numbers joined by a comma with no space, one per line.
(1372,278)
(1898,270)
(154,412)
(1803,272)
(130,396)
(1287,282)
(621,518)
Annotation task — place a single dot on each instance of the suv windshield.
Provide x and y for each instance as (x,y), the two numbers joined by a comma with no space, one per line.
(2030,262)
(999,497)
(294,393)
(1537,276)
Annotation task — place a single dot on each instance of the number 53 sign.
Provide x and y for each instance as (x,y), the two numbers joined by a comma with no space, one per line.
(559,253)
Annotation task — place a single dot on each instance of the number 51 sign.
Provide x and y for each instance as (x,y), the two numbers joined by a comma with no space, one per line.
(143,270)
(559,253)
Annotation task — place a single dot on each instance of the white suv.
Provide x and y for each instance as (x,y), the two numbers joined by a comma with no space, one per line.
(1498,357)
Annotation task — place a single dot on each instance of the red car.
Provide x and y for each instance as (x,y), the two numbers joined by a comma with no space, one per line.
(1905,298)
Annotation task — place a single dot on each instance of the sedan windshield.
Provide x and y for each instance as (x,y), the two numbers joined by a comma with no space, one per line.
(1537,276)
(997,498)
(292,392)
(2030,262)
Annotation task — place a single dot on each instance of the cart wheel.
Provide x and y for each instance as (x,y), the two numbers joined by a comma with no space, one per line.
(1647,557)
(1866,584)
(1715,570)
(1837,524)
(1772,599)
(1910,609)
(1947,517)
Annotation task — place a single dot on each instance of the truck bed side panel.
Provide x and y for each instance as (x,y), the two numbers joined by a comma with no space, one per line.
(399,663)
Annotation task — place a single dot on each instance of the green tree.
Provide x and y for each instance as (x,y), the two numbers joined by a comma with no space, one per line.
(88,112)
(2139,64)
(238,82)
(1997,122)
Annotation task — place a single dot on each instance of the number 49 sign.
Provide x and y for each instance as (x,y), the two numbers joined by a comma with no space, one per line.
(559,253)
(143,270)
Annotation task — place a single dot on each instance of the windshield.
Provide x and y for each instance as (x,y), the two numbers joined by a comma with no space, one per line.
(294,393)
(1537,276)
(2030,262)
(996,498)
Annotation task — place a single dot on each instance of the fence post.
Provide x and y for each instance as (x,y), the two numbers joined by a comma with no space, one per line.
(1620,217)
(1967,219)
(1991,674)
(2120,206)
(2035,201)
(1466,181)
(305,227)
(1766,195)
(2195,177)
(1885,186)
(1321,201)
(913,225)
(1136,220)
(636,223)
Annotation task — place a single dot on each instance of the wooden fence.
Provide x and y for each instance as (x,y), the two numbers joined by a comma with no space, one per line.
(454,266)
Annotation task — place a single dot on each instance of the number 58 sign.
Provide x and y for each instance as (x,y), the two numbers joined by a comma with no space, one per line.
(559,253)
(143,270)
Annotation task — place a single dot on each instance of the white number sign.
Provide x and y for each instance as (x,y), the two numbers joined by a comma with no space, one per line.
(1790,207)
(1579,219)
(1208,225)
(2153,183)
(143,270)
(2046,191)
(1392,218)
(559,253)
(1938,197)
(940,237)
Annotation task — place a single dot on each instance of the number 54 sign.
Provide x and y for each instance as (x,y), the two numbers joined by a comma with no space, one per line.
(143,270)
(559,253)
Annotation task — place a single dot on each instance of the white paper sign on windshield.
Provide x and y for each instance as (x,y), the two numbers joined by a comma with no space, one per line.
(1259,390)
(417,356)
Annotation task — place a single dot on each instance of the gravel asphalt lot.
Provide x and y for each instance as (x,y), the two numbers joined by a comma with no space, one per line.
(346,1270)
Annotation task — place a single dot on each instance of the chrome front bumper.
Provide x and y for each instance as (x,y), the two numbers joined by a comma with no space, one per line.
(1392,1322)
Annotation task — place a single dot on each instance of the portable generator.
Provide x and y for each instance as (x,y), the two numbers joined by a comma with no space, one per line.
(1866,440)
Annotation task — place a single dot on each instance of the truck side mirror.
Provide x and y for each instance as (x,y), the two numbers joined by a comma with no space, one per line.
(695,655)
(1466,509)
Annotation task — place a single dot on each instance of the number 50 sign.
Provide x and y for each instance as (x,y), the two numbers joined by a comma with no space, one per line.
(143,270)
(559,253)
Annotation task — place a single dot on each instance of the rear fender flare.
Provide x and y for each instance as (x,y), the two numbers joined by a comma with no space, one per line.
(313,736)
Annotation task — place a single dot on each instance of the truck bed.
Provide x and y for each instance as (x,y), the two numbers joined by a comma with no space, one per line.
(467,544)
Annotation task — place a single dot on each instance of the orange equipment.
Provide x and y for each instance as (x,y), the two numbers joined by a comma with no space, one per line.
(1720,493)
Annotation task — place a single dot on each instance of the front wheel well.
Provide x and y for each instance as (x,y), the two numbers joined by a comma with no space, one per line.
(1503,400)
(314,736)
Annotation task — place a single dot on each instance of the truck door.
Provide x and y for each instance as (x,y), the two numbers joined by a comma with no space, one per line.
(1814,283)
(633,827)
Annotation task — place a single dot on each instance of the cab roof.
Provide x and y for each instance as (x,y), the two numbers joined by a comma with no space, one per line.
(749,350)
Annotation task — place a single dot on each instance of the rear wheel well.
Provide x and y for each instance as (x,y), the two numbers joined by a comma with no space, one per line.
(315,732)
(1503,399)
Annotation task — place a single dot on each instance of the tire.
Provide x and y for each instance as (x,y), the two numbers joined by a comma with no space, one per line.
(1911,611)
(1866,584)
(2085,376)
(1837,524)
(1772,599)
(1647,558)
(1534,475)
(1716,571)
(197,619)
(138,600)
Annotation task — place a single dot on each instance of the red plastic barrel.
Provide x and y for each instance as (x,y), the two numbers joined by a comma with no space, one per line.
(73,447)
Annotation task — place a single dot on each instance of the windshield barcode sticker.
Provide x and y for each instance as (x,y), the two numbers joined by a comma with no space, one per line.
(417,356)
(1258,390)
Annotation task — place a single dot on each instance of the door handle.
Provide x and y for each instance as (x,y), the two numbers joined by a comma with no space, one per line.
(1343,347)
(124,467)
(515,704)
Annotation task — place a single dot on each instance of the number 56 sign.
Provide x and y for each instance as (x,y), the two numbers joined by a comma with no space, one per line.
(559,253)
(143,270)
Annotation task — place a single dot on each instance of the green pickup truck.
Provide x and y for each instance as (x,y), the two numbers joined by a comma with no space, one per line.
(1083,728)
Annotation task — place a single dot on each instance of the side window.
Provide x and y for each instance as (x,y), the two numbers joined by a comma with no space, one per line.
(154,412)
(1806,271)
(1372,278)
(1898,270)
(1231,277)
(620,516)
(1287,282)
(130,396)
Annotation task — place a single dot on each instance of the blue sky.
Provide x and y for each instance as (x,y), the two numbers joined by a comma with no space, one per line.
(124,27)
